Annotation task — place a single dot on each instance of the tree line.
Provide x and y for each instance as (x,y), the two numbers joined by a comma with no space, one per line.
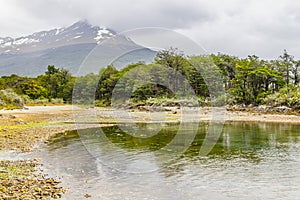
(245,81)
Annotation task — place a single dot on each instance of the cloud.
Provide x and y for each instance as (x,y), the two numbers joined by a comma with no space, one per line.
(263,28)
(235,27)
(120,15)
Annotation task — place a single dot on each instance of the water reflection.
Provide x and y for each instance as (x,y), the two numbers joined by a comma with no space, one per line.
(249,160)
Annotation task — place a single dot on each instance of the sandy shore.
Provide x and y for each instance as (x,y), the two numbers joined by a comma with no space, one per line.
(23,129)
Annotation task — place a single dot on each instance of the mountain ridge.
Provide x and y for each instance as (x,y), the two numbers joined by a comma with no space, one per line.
(67,48)
(77,33)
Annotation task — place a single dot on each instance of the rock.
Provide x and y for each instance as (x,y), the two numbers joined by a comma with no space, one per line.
(144,108)
(235,107)
(140,104)
(87,195)
(3,171)
(263,108)
(250,106)
(20,122)
(158,108)
(190,104)
(168,109)
(284,109)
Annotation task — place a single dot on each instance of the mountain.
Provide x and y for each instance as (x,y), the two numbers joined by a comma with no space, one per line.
(78,33)
(67,48)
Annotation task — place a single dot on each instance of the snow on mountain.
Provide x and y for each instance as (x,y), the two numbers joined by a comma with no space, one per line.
(67,48)
(102,34)
(78,33)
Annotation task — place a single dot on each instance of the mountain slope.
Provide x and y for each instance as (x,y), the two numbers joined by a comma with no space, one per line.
(66,48)
(78,33)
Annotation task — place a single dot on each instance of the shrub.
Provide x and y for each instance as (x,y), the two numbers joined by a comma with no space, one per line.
(57,101)
(9,99)
(288,96)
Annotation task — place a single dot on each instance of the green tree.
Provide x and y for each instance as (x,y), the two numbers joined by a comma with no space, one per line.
(174,59)
(85,88)
(108,78)
(295,72)
(33,90)
(209,79)
(285,65)
(58,82)
(254,80)
(226,64)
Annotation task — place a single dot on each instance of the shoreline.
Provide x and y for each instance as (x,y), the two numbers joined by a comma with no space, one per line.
(23,130)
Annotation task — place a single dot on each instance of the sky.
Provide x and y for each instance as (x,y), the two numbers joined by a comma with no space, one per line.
(236,27)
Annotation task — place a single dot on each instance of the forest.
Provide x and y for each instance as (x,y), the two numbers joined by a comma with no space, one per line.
(247,81)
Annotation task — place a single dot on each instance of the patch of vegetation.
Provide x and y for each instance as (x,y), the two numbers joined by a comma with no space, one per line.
(209,80)
(288,96)
(164,101)
(54,87)
(10,100)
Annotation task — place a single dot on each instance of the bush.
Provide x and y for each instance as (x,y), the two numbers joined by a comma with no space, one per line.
(41,101)
(9,99)
(57,101)
(288,96)
(220,101)
(190,102)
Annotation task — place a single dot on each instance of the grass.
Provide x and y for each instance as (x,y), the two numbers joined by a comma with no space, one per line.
(9,107)
(12,170)
(46,104)
(21,126)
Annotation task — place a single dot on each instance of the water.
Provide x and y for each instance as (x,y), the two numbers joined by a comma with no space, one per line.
(248,161)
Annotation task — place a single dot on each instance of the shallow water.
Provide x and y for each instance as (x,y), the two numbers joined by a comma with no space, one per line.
(248,161)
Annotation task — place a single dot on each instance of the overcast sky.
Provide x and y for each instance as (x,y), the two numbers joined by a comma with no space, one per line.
(236,27)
